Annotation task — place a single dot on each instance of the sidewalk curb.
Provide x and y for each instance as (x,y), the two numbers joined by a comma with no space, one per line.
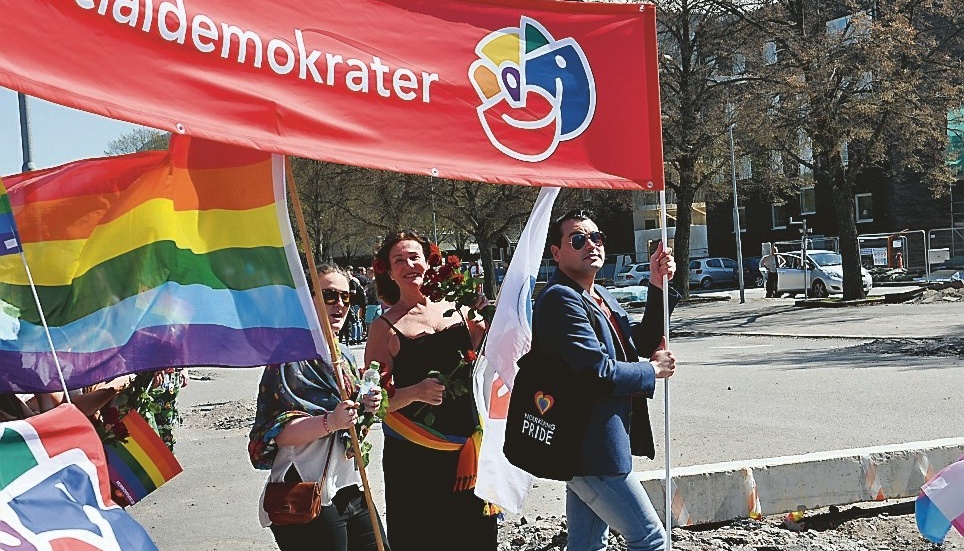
(722,492)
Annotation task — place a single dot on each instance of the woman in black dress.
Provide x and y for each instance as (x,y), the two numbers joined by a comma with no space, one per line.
(431,436)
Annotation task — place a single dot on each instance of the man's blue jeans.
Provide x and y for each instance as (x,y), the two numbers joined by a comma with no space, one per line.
(594,503)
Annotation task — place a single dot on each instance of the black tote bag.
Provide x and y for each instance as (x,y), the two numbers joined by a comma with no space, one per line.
(548,415)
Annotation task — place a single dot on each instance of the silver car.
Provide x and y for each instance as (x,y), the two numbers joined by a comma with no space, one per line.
(824,274)
(634,274)
(707,272)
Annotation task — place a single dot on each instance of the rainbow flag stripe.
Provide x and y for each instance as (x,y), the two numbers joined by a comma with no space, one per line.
(397,425)
(141,464)
(153,260)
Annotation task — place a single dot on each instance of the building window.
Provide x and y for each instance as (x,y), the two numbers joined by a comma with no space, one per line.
(845,153)
(776,162)
(865,207)
(770,53)
(650,224)
(808,201)
(806,152)
(744,168)
(779,215)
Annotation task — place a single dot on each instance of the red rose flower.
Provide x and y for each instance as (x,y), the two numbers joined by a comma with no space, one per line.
(444,272)
(378,266)
(110,415)
(470,355)
(453,261)
(434,255)
(458,279)
(120,431)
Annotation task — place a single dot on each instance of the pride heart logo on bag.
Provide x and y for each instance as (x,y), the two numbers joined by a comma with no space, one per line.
(543,402)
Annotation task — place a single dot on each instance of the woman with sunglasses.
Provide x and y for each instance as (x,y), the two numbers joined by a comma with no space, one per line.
(430,457)
(299,434)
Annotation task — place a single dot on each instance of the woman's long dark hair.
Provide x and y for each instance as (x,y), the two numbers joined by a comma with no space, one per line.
(388,290)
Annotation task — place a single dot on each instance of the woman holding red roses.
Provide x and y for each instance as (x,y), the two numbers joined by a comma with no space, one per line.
(432,434)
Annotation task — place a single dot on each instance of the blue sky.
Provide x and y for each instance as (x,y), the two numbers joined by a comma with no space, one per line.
(59,134)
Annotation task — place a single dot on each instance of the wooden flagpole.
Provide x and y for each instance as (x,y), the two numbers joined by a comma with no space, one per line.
(666,424)
(332,344)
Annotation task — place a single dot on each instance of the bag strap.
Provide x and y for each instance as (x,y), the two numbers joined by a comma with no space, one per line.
(287,478)
(331,446)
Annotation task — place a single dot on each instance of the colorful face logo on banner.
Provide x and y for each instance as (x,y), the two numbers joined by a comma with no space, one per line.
(536,91)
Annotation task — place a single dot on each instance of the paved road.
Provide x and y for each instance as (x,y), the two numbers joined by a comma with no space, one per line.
(736,396)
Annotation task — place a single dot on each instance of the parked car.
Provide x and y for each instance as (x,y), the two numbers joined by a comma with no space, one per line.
(634,274)
(707,272)
(824,274)
(752,276)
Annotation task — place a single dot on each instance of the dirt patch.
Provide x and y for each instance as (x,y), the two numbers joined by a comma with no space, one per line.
(237,414)
(946,346)
(865,527)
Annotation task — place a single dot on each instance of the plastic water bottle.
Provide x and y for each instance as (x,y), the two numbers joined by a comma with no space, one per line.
(371,379)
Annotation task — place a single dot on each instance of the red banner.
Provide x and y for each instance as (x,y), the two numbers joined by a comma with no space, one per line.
(531,92)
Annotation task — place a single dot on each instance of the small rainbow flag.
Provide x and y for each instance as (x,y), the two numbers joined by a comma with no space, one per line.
(139,465)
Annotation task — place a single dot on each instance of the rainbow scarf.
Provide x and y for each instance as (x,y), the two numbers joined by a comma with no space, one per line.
(154,260)
(397,425)
(140,464)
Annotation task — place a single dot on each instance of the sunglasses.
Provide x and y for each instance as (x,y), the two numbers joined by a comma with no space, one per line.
(330,296)
(578,241)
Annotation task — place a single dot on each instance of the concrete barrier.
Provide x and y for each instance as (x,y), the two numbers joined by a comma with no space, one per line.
(725,491)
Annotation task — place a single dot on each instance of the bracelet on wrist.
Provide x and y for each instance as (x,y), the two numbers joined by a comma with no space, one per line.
(324,420)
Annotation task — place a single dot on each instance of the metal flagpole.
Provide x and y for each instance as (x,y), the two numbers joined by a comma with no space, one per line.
(669,478)
(332,345)
(43,320)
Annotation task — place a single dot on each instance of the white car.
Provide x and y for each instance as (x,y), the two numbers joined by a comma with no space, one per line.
(634,274)
(824,274)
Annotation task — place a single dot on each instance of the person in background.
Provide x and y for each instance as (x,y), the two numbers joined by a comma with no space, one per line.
(299,434)
(476,270)
(430,458)
(771,263)
(166,386)
(592,334)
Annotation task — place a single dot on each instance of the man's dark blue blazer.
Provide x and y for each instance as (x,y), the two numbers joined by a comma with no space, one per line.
(618,424)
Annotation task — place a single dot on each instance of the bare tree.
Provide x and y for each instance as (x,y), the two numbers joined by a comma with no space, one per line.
(846,86)
(485,211)
(138,139)
(321,188)
(700,42)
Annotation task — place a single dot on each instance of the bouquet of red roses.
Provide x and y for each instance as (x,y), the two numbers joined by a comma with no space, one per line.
(448,281)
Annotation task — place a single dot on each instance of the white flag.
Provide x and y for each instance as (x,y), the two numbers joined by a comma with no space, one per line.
(509,338)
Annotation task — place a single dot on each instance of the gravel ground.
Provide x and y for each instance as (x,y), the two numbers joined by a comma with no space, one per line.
(862,527)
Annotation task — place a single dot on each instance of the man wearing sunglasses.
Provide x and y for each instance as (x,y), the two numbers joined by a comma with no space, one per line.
(592,333)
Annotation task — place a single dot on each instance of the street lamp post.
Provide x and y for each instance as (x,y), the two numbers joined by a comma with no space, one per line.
(25,144)
(736,219)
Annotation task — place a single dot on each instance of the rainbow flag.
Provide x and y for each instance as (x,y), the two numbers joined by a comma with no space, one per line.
(940,504)
(140,464)
(9,240)
(54,490)
(154,260)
